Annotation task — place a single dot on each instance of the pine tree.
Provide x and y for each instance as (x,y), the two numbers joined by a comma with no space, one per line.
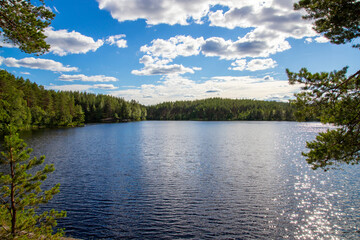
(22,23)
(21,195)
(333,97)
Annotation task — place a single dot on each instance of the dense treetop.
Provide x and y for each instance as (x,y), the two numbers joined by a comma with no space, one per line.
(216,109)
(23,24)
(26,105)
(338,20)
(334,96)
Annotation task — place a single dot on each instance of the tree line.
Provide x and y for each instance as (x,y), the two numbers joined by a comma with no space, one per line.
(27,105)
(219,109)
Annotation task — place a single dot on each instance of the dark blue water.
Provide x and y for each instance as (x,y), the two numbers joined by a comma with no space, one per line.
(197,180)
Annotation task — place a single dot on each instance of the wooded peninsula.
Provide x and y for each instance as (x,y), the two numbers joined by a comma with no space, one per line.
(32,106)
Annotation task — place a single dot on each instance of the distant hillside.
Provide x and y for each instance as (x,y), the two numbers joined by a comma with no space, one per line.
(218,109)
(28,105)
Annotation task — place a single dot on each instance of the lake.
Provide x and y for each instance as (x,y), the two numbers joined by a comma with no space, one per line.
(197,180)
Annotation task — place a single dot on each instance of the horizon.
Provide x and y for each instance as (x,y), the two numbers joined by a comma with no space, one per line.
(153,51)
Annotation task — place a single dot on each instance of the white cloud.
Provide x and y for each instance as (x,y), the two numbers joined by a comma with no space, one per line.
(173,47)
(276,15)
(257,43)
(321,39)
(271,22)
(80,87)
(238,65)
(117,40)
(25,73)
(162,69)
(105,86)
(37,63)
(253,65)
(4,43)
(63,42)
(72,87)
(156,66)
(57,11)
(308,40)
(84,78)
(175,87)
(261,64)
(157,11)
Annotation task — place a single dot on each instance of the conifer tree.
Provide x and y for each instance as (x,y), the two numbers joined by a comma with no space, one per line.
(334,96)
(21,194)
(22,23)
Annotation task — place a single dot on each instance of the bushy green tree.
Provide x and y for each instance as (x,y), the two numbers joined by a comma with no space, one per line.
(219,109)
(334,97)
(22,23)
(338,20)
(21,195)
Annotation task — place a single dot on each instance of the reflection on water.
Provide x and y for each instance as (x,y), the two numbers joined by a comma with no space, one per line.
(197,180)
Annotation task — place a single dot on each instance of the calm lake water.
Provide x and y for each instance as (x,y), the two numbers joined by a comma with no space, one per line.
(197,180)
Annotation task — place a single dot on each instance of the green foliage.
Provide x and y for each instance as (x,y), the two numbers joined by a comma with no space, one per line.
(333,97)
(28,105)
(21,194)
(23,24)
(336,99)
(104,108)
(218,109)
(338,19)
(13,107)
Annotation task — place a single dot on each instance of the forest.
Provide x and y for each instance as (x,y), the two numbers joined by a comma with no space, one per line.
(29,105)
(218,109)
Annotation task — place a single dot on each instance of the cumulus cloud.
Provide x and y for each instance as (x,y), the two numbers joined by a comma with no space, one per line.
(117,40)
(238,65)
(257,43)
(173,47)
(156,66)
(37,63)
(308,40)
(159,67)
(105,86)
(162,52)
(277,15)
(72,87)
(321,39)
(80,87)
(84,78)
(253,65)
(175,87)
(63,42)
(4,43)
(157,11)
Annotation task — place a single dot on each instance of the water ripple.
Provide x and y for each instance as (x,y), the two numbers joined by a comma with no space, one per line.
(197,180)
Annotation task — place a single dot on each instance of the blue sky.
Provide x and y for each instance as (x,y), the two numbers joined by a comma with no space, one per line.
(167,50)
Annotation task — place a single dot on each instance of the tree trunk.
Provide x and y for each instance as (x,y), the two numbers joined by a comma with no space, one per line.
(13,209)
